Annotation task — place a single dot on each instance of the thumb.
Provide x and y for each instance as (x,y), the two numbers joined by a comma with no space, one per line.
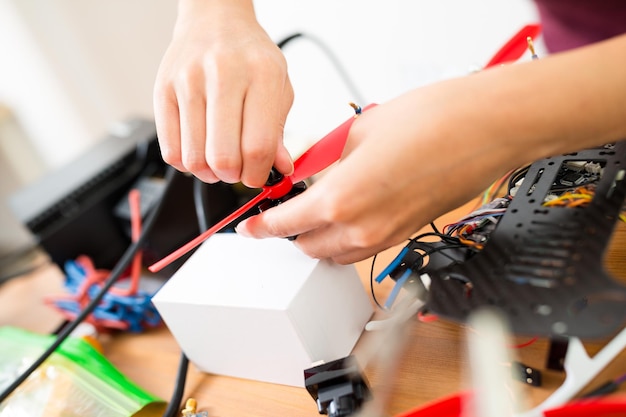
(290,218)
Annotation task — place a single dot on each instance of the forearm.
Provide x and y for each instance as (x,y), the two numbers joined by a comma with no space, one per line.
(418,156)
(559,104)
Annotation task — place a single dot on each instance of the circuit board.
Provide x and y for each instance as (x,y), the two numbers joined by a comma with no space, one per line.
(542,264)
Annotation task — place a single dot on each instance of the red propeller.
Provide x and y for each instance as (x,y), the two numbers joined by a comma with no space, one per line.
(318,157)
(516,46)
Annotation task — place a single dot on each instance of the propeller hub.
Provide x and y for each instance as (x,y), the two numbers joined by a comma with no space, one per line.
(279,189)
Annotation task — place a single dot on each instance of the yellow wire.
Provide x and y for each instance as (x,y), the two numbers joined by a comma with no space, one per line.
(568,198)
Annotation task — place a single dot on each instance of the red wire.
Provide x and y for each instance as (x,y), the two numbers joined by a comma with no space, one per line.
(524,344)
(426,318)
(134,201)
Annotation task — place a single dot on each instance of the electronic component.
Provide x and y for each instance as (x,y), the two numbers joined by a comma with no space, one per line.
(526,374)
(531,47)
(542,264)
(536,255)
(337,387)
(556,353)
(81,208)
(191,409)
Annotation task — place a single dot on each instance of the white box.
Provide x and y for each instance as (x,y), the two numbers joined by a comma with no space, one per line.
(262,310)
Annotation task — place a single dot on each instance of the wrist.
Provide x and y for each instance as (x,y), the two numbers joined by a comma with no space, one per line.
(215,10)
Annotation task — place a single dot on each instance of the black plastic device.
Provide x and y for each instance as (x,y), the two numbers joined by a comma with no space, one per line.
(338,387)
(543,265)
(81,208)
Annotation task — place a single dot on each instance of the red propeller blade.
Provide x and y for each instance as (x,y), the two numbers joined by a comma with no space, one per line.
(323,153)
(326,151)
(157,266)
(516,46)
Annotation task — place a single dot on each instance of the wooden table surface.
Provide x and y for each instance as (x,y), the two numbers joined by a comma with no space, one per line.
(430,363)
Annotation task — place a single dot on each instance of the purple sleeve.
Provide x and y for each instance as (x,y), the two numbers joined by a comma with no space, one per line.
(570,24)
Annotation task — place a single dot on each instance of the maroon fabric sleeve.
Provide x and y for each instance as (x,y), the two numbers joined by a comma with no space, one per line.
(569,24)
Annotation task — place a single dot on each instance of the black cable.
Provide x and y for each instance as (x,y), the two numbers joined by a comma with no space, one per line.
(372,283)
(332,58)
(516,176)
(199,195)
(452,243)
(175,403)
(116,272)
(174,406)
(60,327)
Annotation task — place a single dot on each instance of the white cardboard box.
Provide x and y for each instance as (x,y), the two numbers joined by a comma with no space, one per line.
(262,310)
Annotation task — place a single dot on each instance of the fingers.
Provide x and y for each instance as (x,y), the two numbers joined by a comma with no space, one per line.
(168,125)
(283,161)
(263,121)
(330,243)
(221,120)
(224,117)
(291,218)
(315,236)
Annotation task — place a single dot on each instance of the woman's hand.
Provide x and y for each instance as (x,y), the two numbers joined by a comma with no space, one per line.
(402,167)
(222,95)
(430,150)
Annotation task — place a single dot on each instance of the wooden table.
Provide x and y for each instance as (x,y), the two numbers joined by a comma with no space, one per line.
(432,362)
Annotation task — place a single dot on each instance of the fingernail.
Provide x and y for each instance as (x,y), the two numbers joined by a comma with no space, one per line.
(241,229)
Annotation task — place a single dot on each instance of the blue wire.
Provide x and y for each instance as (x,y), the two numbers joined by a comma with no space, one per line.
(396,288)
(392,265)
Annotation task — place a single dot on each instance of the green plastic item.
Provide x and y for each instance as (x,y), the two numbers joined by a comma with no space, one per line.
(76,381)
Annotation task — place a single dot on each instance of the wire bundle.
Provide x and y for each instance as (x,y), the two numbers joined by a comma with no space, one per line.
(126,309)
(468,235)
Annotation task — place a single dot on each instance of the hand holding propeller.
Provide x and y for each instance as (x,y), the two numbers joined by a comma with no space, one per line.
(279,188)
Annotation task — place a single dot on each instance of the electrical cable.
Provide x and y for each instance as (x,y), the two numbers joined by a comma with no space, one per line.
(372,283)
(434,227)
(516,176)
(393,265)
(174,405)
(199,196)
(116,272)
(332,58)
(396,288)
(608,387)
(452,243)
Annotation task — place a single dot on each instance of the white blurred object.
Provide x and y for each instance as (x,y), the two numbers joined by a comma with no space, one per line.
(491,382)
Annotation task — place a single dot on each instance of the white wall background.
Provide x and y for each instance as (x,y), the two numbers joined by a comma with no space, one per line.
(69,69)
